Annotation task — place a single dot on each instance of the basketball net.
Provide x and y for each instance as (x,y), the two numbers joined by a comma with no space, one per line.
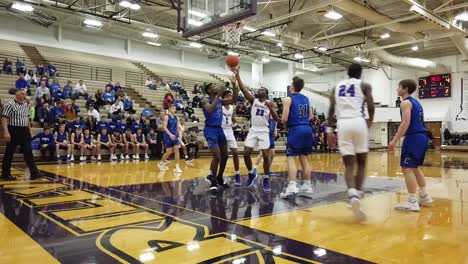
(233,32)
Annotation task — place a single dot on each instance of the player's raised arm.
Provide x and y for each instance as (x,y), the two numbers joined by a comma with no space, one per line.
(235,90)
(246,93)
(210,108)
(331,110)
(286,107)
(367,90)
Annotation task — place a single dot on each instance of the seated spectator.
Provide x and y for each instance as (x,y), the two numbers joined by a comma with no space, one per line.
(40,70)
(98,100)
(52,71)
(196,102)
(91,124)
(46,80)
(58,95)
(196,89)
(32,110)
(80,90)
(94,113)
(101,125)
(108,96)
(21,83)
(179,104)
(69,113)
(104,141)
(117,87)
(20,67)
(183,94)
(192,140)
(116,110)
(58,112)
(76,124)
(7,66)
(120,94)
(150,83)
(46,143)
(43,115)
(189,113)
(152,139)
(128,105)
(176,86)
(447,136)
(41,91)
(168,100)
(147,111)
(54,87)
(31,78)
(75,107)
(165,85)
(67,90)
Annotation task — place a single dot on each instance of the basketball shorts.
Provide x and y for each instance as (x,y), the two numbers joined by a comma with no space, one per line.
(215,137)
(258,138)
(299,142)
(230,138)
(62,145)
(413,150)
(272,141)
(352,136)
(169,143)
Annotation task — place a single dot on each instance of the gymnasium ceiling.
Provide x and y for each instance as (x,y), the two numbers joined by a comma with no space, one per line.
(298,33)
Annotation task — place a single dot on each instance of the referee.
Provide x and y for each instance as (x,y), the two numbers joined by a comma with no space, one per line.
(15,123)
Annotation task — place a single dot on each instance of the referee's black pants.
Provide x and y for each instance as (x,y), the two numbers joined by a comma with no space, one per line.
(19,136)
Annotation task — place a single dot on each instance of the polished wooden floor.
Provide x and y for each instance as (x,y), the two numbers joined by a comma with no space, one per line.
(130,212)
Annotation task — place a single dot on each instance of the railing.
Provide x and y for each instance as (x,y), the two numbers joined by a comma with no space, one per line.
(11,57)
(139,79)
(82,71)
(135,78)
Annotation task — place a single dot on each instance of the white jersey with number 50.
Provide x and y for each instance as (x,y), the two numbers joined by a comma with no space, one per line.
(260,114)
(350,99)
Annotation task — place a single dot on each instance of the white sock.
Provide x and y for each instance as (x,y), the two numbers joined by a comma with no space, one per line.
(177,166)
(307,182)
(412,198)
(422,192)
(292,183)
(236,172)
(186,157)
(353,193)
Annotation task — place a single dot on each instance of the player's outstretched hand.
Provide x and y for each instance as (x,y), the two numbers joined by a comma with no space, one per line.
(235,70)
(221,90)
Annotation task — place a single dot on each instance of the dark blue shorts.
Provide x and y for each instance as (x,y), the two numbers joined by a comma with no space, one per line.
(300,141)
(413,150)
(272,141)
(168,142)
(215,137)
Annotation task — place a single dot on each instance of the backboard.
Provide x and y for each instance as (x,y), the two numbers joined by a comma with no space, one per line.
(199,16)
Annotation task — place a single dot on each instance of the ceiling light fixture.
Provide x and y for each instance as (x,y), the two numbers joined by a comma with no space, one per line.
(232,53)
(299,73)
(333,15)
(195,22)
(298,56)
(22,7)
(360,59)
(414,48)
(279,44)
(251,29)
(125,4)
(196,13)
(462,17)
(268,33)
(195,45)
(322,48)
(92,22)
(153,43)
(385,36)
(150,35)
(266,60)
(135,6)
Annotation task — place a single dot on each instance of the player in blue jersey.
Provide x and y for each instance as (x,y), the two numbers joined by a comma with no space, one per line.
(414,147)
(77,142)
(104,141)
(214,133)
(140,143)
(171,139)
(129,142)
(62,142)
(297,114)
(89,143)
(47,142)
(117,139)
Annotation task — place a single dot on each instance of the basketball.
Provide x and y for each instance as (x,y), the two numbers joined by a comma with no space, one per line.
(232,61)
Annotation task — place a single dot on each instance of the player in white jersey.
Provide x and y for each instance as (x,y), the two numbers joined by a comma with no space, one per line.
(259,134)
(348,101)
(229,117)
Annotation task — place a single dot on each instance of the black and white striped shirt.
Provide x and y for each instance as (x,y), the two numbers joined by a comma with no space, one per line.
(17,113)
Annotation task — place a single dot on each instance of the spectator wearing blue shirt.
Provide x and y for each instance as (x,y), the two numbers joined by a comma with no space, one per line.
(54,87)
(113,126)
(147,111)
(43,115)
(108,96)
(46,142)
(52,71)
(135,127)
(7,67)
(21,83)
(58,95)
(121,126)
(40,70)
(117,87)
(20,67)
(78,122)
(176,86)
(67,90)
(128,105)
(100,125)
(57,112)
(150,84)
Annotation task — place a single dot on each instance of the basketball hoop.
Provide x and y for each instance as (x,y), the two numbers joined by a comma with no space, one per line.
(233,32)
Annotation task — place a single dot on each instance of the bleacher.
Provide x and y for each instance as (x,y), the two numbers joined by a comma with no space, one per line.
(97,71)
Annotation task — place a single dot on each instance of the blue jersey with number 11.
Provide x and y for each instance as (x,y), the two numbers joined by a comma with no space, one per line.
(299,112)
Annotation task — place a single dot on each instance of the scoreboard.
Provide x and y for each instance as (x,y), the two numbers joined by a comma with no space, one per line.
(435,86)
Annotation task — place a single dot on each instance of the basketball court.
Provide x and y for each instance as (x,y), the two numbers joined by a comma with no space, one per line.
(130,211)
